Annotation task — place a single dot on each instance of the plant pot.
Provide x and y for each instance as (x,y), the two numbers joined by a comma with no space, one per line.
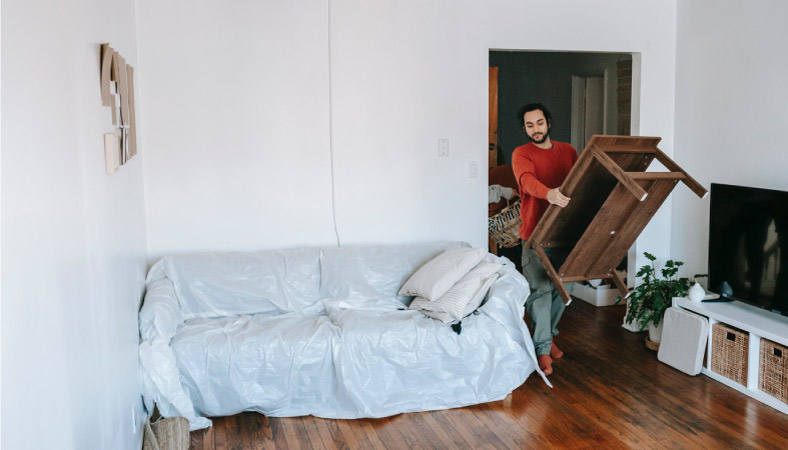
(655,333)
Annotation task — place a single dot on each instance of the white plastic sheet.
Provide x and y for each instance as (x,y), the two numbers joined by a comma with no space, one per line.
(322,333)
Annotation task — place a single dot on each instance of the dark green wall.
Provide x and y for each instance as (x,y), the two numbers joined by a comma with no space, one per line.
(543,77)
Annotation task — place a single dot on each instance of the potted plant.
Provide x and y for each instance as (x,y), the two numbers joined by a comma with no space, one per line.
(649,300)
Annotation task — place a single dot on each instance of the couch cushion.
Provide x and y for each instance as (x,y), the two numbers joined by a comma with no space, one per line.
(439,274)
(277,365)
(463,297)
(235,283)
(368,273)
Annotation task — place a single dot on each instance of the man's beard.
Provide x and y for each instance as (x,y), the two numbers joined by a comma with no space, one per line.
(539,140)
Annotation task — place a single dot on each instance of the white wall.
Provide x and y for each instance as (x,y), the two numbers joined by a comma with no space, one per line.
(234,105)
(732,105)
(73,238)
(235,112)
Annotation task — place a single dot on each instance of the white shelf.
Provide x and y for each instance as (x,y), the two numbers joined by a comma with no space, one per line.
(750,318)
(759,323)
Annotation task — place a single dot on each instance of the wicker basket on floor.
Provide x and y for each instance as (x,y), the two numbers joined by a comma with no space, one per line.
(171,433)
(773,373)
(504,227)
(729,349)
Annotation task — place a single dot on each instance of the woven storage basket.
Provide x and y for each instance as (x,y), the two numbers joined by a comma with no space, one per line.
(773,377)
(505,226)
(171,433)
(729,349)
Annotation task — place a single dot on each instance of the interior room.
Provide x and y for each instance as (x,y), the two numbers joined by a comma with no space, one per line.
(321,124)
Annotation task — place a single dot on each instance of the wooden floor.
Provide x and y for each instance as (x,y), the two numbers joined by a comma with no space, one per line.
(609,392)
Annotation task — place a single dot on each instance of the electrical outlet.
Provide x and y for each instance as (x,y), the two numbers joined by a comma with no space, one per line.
(443,148)
(473,169)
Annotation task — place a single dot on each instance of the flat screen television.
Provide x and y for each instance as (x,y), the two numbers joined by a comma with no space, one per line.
(748,245)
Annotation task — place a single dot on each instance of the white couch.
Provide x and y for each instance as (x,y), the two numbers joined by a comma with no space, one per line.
(321,332)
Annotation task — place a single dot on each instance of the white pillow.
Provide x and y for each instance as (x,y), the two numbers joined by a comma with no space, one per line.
(478,298)
(435,277)
(463,297)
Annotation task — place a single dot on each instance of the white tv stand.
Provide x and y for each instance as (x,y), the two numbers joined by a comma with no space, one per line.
(756,321)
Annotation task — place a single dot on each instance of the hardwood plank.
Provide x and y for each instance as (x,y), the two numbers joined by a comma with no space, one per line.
(350,432)
(626,149)
(313,434)
(235,437)
(657,175)
(613,142)
(220,432)
(437,420)
(202,439)
(257,426)
(372,435)
(475,432)
(296,433)
(323,430)
(436,435)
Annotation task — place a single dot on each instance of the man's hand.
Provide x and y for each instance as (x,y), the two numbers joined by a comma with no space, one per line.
(555,197)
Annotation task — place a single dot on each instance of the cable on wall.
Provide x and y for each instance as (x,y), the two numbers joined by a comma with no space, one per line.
(331,130)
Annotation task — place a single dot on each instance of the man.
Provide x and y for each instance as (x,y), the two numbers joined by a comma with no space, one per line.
(540,168)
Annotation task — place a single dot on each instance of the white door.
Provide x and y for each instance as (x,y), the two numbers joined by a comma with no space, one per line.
(589,105)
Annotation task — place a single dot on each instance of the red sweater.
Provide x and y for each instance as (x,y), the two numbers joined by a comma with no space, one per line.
(538,170)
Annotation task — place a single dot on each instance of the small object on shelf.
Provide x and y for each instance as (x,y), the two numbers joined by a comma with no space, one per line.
(696,292)
(725,289)
(716,299)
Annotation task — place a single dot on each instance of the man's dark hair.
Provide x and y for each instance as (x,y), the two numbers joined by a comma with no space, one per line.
(533,107)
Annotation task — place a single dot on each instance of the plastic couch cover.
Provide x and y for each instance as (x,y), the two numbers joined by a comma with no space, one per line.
(321,332)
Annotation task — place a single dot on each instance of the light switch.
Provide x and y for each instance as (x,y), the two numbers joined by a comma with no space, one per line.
(473,169)
(443,148)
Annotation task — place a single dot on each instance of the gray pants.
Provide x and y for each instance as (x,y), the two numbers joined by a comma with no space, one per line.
(545,306)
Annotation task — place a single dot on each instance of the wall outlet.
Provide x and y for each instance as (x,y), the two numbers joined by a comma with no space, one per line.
(473,169)
(443,148)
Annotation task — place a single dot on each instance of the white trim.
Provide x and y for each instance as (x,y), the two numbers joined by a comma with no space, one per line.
(635,105)
(578,111)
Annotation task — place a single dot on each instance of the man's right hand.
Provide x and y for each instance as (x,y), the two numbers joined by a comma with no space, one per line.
(555,197)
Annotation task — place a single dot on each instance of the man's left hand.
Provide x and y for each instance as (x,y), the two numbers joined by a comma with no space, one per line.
(555,197)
